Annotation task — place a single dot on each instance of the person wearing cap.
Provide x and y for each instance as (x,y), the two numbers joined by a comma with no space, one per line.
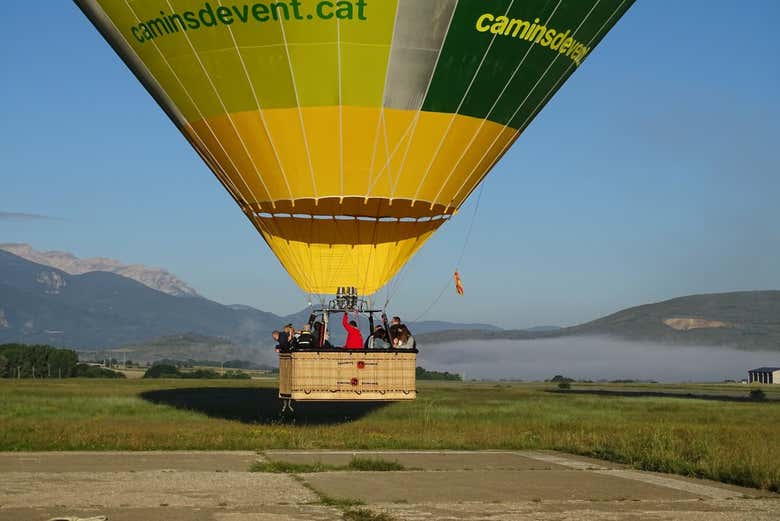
(304,340)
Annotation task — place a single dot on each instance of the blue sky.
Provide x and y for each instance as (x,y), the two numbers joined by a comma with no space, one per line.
(653,173)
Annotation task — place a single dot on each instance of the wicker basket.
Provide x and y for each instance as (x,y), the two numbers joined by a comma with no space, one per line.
(347,375)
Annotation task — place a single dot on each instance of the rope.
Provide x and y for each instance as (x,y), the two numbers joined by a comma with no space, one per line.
(398,279)
(471,226)
(460,258)
(413,124)
(457,110)
(506,146)
(492,108)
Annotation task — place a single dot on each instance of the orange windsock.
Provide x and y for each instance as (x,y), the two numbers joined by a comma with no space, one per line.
(458,284)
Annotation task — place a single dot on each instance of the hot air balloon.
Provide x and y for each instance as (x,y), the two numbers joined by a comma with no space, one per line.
(349,131)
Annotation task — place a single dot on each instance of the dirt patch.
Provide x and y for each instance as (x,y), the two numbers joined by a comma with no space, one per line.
(687,323)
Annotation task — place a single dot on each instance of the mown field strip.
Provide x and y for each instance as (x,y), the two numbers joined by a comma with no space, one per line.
(653,479)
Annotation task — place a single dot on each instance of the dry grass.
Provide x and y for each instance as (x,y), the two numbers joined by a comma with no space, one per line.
(363,514)
(734,442)
(358,464)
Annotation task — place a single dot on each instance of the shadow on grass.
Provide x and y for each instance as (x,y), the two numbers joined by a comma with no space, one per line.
(658,394)
(258,406)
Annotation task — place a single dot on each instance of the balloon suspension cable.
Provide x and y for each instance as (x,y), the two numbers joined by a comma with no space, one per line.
(396,284)
(460,258)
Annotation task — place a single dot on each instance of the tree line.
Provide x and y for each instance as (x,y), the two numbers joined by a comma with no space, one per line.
(160,370)
(36,361)
(44,361)
(424,374)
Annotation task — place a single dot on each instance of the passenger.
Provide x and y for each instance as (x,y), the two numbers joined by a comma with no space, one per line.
(305,339)
(282,340)
(394,328)
(291,333)
(404,340)
(319,341)
(354,337)
(316,333)
(370,339)
(378,339)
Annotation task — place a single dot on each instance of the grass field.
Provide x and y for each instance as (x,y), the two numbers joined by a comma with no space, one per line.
(707,434)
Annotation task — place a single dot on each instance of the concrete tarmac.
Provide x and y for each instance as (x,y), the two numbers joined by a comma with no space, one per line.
(446,485)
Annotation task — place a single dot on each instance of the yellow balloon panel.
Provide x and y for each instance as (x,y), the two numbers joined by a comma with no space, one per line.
(322,152)
(316,255)
(384,163)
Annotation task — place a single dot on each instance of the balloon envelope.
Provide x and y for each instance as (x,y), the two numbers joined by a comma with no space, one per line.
(349,131)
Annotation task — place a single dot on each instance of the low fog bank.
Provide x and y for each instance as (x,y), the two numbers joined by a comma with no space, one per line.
(592,358)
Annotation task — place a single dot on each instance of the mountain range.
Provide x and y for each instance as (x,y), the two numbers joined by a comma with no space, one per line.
(99,309)
(40,303)
(155,278)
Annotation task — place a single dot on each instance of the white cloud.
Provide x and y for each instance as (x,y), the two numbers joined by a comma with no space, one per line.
(20,216)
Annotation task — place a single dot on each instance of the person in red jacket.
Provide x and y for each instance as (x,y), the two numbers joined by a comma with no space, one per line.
(354,337)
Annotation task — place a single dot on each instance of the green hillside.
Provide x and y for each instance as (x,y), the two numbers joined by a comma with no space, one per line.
(747,320)
(193,346)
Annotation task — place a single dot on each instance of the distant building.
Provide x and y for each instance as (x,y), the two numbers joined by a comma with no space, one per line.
(764,375)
